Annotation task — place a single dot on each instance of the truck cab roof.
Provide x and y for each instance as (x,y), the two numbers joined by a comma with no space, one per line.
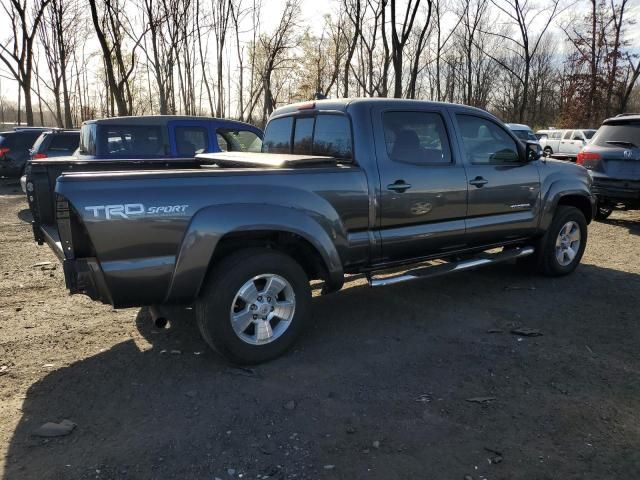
(162,120)
(343,104)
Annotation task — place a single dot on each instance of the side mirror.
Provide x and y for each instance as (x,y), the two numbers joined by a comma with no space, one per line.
(533,151)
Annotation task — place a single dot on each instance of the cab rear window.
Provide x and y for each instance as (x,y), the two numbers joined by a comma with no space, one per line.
(323,134)
(277,137)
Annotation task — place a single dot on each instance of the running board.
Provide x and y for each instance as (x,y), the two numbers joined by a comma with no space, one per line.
(451,267)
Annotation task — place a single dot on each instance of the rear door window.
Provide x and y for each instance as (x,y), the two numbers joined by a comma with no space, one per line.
(277,137)
(191,141)
(416,137)
(567,135)
(64,143)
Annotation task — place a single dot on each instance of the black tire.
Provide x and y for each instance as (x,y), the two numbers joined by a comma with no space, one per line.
(219,291)
(602,213)
(547,151)
(545,258)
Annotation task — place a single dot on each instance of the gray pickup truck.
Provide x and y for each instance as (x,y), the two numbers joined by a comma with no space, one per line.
(361,186)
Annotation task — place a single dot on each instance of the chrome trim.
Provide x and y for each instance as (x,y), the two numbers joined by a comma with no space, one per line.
(451,267)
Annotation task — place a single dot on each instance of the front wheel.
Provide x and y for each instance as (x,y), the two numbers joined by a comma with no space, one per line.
(547,151)
(561,248)
(254,305)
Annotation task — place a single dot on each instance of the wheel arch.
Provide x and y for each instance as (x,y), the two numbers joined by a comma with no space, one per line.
(571,192)
(215,232)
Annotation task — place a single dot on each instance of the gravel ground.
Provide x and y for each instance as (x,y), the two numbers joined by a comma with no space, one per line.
(378,388)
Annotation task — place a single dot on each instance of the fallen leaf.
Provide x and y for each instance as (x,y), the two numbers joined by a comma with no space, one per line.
(480,399)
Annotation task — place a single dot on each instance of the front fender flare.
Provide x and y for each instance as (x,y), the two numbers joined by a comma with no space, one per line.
(210,224)
(556,191)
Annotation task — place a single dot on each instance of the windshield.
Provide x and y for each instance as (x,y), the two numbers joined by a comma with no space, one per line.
(588,134)
(230,140)
(625,133)
(525,135)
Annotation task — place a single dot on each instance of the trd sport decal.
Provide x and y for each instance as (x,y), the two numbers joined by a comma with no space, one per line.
(129,210)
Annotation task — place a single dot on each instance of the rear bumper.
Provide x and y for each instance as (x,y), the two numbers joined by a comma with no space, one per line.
(85,276)
(610,190)
(10,169)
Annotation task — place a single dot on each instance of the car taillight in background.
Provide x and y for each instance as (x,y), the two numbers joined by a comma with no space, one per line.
(588,159)
(39,155)
(4,150)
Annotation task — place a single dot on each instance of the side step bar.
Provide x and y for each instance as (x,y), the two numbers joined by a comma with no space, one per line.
(451,267)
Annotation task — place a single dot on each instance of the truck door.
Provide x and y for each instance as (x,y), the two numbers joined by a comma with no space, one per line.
(504,189)
(190,137)
(423,187)
(576,143)
(564,148)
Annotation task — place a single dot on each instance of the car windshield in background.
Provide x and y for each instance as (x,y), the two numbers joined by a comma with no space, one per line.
(625,133)
(525,135)
(238,140)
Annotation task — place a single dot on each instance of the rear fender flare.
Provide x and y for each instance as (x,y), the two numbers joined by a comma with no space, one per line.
(210,224)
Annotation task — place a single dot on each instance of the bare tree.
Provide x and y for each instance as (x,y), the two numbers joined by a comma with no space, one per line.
(274,48)
(59,34)
(522,15)
(221,10)
(17,52)
(399,38)
(111,30)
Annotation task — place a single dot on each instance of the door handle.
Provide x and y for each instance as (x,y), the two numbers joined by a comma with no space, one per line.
(399,186)
(478,182)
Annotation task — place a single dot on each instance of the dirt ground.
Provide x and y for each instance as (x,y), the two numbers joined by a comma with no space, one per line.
(378,388)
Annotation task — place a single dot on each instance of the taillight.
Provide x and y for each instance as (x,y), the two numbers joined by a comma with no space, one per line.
(39,155)
(588,159)
(4,150)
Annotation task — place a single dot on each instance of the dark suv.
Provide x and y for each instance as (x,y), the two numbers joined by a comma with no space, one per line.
(52,144)
(15,149)
(613,160)
(56,143)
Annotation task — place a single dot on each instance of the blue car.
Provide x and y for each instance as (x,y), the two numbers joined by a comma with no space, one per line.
(164,136)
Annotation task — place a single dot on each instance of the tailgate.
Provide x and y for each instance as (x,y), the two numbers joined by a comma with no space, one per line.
(622,164)
(42,176)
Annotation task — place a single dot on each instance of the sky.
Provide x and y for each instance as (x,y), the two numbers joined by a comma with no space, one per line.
(314,10)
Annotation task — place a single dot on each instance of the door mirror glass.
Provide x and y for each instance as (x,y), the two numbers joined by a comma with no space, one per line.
(533,151)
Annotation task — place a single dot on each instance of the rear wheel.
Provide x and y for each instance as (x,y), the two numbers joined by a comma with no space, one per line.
(547,151)
(560,250)
(254,305)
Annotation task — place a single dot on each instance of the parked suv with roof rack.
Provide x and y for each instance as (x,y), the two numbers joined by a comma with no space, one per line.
(14,149)
(613,160)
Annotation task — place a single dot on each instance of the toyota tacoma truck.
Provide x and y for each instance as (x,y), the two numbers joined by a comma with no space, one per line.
(350,186)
